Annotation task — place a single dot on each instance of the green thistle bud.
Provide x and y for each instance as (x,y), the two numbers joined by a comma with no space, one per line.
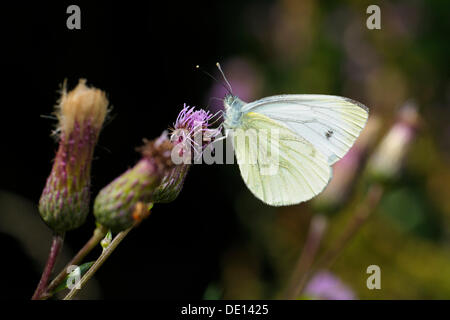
(121,203)
(171,185)
(64,203)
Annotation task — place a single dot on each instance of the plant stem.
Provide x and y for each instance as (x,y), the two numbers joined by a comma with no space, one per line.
(312,244)
(105,254)
(97,236)
(55,249)
(361,215)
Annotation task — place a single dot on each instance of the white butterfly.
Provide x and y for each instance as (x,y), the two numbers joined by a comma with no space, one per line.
(312,133)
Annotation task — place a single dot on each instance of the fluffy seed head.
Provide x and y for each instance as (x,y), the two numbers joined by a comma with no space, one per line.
(80,105)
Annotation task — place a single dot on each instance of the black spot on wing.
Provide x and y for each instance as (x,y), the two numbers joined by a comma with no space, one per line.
(328,134)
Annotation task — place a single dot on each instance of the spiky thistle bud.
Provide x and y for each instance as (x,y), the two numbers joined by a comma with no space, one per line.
(64,203)
(190,136)
(116,204)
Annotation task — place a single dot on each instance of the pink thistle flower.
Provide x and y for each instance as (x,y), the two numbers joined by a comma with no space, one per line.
(190,132)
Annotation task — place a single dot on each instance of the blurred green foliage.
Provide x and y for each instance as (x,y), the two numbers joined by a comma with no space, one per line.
(324,47)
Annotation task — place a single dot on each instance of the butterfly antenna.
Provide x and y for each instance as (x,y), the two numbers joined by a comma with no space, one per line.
(224,77)
(212,77)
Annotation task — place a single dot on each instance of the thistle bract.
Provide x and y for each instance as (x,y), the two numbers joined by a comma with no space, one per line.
(64,203)
(171,185)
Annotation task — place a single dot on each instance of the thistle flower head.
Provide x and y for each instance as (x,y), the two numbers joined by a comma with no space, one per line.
(64,203)
(191,134)
(116,204)
(189,118)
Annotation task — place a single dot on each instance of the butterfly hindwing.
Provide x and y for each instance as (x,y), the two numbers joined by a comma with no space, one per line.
(278,166)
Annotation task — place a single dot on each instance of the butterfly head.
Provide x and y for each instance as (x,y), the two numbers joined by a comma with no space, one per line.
(228,101)
(232,102)
(233,113)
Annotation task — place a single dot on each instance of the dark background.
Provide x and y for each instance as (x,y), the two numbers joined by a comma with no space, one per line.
(143,55)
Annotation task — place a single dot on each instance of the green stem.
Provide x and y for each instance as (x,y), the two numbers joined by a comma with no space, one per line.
(97,236)
(55,249)
(105,254)
(316,230)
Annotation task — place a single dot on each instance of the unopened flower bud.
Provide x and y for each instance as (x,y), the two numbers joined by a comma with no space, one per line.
(388,158)
(116,204)
(106,241)
(64,203)
(171,185)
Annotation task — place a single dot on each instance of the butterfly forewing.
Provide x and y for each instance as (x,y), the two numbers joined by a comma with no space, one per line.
(330,123)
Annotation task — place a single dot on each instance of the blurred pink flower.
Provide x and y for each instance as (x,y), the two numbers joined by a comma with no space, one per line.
(387,160)
(326,286)
(244,78)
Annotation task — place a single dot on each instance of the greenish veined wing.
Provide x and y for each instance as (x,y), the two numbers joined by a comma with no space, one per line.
(300,171)
(331,123)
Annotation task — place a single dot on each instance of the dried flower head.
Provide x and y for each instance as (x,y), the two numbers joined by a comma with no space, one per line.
(81,106)
(64,203)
